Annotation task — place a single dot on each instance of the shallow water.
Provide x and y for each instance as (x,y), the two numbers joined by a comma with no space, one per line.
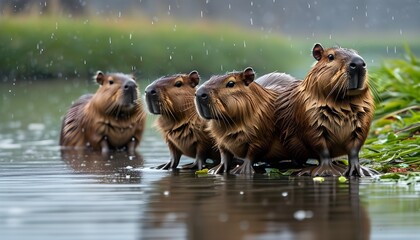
(49,194)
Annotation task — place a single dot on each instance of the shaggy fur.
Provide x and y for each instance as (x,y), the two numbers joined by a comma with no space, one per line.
(242,116)
(184,131)
(112,118)
(321,117)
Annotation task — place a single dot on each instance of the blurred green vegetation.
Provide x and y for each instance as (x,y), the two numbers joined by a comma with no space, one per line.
(394,141)
(45,47)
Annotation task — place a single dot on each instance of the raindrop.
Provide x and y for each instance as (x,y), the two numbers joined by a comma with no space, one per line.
(119,14)
(251,21)
(166,193)
(229,6)
(201,14)
(301,214)
(252,3)
(130,36)
(110,40)
(309,5)
(330,36)
(241,192)
(387,49)
(352,19)
(84,62)
(401,33)
(244,44)
(318,18)
(56,25)
(170,57)
(284,194)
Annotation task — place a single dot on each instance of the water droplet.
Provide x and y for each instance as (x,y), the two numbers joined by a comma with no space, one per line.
(130,36)
(241,192)
(166,193)
(201,14)
(284,194)
(244,44)
(251,21)
(110,40)
(301,215)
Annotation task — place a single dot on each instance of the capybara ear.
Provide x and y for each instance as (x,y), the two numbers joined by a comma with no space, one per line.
(194,78)
(100,77)
(248,75)
(317,51)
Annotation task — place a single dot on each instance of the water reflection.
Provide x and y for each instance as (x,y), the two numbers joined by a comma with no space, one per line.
(236,207)
(114,167)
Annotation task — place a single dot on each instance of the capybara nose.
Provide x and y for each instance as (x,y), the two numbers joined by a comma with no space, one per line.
(130,85)
(201,94)
(150,90)
(357,63)
(204,96)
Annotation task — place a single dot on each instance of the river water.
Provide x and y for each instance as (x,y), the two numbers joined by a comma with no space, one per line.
(49,194)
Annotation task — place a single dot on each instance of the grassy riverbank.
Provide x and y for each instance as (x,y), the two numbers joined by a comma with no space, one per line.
(394,142)
(51,48)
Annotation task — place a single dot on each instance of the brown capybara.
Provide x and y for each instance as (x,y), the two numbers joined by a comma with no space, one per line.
(172,98)
(112,118)
(328,114)
(241,116)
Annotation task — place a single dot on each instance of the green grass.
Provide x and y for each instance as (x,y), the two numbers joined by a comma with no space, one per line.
(394,142)
(50,48)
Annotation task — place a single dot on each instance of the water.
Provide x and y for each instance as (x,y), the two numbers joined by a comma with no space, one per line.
(49,194)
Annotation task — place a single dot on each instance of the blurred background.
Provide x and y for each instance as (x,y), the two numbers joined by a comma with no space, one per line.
(66,39)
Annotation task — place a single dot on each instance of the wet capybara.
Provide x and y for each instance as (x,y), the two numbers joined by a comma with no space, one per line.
(329,113)
(241,114)
(112,118)
(172,98)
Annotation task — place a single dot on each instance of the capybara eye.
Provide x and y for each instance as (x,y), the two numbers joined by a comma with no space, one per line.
(230,84)
(330,57)
(178,84)
(111,82)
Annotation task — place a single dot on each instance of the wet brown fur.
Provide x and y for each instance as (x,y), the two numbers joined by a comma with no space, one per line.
(104,120)
(183,130)
(243,120)
(320,118)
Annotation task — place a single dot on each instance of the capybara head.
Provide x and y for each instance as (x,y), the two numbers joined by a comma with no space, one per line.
(117,94)
(172,95)
(339,72)
(227,97)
